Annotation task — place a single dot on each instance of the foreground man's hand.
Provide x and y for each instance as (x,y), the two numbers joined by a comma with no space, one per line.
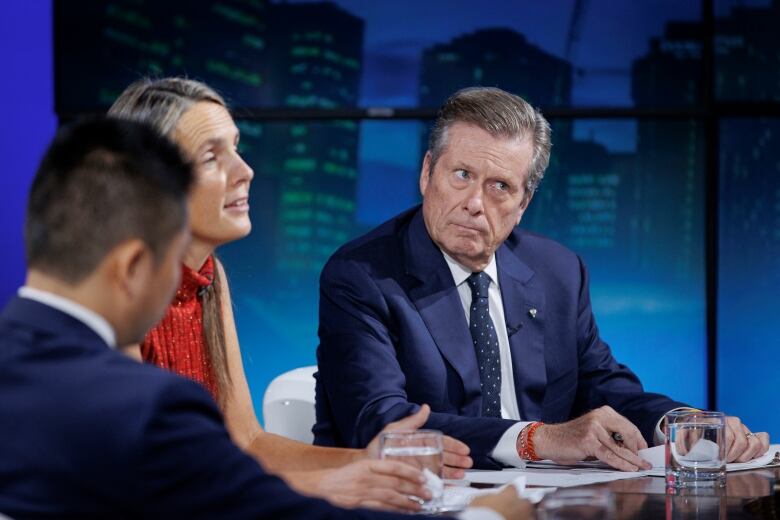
(506,504)
(456,454)
(743,445)
(591,436)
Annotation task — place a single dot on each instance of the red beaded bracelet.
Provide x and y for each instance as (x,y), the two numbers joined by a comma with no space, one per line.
(527,450)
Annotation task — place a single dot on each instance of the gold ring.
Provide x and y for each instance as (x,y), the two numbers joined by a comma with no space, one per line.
(751,434)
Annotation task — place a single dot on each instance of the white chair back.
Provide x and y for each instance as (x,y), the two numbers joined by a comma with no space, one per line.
(288,404)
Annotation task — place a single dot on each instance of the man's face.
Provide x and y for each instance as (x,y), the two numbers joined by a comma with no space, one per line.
(476,194)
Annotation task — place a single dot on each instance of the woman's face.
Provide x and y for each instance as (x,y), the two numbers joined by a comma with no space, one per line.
(219,200)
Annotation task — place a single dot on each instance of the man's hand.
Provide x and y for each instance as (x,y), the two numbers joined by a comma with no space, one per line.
(741,444)
(378,484)
(456,454)
(591,436)
(506,504)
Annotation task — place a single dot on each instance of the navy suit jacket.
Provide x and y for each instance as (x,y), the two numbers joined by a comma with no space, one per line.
(393,335)
(86,432)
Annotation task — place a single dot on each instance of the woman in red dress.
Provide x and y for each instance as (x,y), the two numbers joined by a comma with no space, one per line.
(197,337)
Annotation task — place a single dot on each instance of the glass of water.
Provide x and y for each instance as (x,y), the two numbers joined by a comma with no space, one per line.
(695,449)
(422,449)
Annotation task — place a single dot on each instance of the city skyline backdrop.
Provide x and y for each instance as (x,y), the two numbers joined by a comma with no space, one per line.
(627,194)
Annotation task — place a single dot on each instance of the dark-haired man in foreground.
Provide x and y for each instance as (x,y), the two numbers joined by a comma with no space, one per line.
(85,430)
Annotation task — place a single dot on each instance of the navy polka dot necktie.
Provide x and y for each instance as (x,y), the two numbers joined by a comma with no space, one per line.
(485,345)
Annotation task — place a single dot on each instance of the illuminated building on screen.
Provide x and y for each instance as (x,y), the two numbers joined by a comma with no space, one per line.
(670,155)
(750,191)
(747,53)
(494,57)
(316,59)
(123,40)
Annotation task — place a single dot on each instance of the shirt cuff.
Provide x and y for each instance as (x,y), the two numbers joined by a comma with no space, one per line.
(479,513)
(658,436)
(505,451)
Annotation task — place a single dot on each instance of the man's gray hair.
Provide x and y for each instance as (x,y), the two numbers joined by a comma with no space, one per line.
(501,114)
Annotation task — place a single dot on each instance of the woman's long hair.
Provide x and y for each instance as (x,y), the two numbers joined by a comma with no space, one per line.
(161,103)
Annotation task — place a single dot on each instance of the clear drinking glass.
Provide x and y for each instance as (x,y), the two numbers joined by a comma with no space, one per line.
(695,449)
(422,449)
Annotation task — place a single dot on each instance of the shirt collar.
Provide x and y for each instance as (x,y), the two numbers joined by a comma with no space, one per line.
(90,318)
(460,273)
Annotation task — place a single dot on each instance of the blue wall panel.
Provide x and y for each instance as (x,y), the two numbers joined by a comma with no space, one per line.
(28,121)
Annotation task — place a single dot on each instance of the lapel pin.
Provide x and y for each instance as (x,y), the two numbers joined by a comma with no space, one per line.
(532,313)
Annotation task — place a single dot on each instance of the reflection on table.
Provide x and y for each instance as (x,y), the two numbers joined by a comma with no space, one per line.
(748,494)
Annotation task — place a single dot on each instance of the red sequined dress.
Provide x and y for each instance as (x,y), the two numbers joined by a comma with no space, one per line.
(177,342)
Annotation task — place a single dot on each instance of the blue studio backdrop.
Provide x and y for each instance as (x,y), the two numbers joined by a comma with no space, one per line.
(625,189)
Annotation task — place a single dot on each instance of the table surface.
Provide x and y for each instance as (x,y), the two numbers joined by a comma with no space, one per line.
(753,494)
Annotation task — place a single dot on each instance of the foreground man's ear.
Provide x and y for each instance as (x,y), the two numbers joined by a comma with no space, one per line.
(131,265)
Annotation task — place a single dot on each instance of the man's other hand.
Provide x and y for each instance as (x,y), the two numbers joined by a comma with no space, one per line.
(743,445)
(456,454)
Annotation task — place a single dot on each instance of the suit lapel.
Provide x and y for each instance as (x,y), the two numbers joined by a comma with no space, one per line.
(436,299)
(524,314)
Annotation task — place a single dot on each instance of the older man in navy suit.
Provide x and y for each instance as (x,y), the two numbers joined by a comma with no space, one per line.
(86,431)
(451,304)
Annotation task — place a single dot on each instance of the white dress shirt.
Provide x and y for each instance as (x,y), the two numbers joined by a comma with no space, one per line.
(506,449)
(90,318)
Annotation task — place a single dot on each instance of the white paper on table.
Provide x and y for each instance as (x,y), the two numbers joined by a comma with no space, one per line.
(458,497)
(481,476)
(549,474)
(551,477)
(657,457)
